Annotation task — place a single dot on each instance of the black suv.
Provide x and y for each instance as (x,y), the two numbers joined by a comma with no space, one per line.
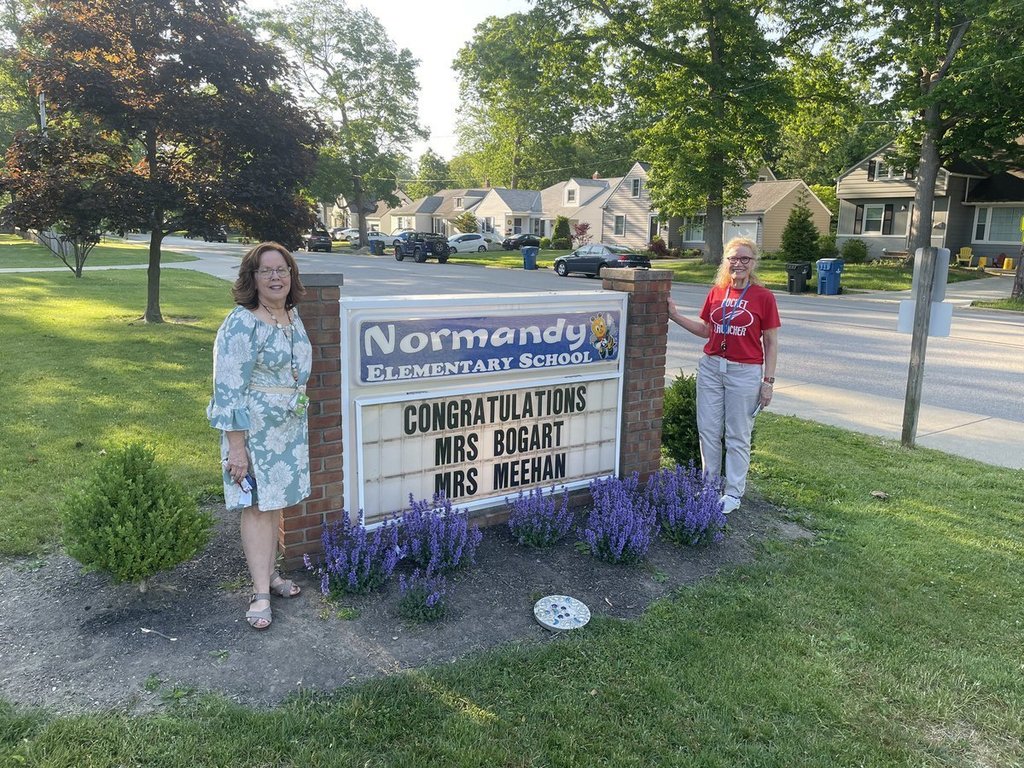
(318,240)
(422,246)
(517,242)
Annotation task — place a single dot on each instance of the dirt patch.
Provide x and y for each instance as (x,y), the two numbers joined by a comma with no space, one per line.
(72,642)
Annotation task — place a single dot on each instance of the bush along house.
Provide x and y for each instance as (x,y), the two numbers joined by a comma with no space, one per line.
(974,208)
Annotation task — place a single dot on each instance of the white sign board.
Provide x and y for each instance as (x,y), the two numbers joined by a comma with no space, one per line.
(478,397)
(939,321)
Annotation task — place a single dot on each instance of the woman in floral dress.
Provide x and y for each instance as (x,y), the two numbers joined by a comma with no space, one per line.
(261,363)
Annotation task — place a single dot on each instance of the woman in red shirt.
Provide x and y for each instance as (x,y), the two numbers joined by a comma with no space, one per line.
(736,374)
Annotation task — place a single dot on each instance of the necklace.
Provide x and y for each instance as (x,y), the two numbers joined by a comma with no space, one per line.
(289,332)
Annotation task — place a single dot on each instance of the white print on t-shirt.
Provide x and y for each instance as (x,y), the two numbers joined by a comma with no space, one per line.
(741,318)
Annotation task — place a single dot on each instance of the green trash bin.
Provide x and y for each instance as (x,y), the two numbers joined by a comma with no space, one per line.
(530,256)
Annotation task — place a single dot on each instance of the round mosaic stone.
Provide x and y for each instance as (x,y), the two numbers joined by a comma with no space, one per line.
(560,612)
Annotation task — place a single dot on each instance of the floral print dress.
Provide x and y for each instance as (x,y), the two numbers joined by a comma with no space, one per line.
(254,391)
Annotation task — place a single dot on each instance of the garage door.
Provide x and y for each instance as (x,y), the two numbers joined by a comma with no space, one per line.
(747,229)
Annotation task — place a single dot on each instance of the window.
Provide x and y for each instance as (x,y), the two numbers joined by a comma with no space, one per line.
(874,218)
(998,225)
(458,203)
(620,225)
(636,187)
(570,195)
(693,229)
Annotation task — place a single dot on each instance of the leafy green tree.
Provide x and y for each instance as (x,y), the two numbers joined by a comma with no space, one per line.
(71,180)
(526,87)
(348,68)
(210,139)
(431,175)
(466,222)
(834,122)
(955,67)
(704,80)
(18,107)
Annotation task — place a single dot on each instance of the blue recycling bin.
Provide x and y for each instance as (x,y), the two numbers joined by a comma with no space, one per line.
(377,247)
(829,272)
(530,256)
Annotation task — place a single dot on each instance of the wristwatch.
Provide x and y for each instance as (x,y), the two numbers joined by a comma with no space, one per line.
(768,379)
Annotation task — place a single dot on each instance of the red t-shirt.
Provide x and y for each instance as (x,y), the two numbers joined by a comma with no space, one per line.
(757,313)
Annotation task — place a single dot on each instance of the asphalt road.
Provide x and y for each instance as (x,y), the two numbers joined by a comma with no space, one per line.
(841,359)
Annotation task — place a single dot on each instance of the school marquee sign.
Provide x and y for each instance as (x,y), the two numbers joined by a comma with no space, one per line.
(478,397)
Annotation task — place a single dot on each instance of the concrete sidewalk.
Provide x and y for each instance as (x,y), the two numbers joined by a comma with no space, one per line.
(999,442)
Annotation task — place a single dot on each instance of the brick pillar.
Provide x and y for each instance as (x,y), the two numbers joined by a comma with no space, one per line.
(644,379)
(302,523)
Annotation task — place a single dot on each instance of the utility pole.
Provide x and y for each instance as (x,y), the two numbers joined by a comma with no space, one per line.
(918,343)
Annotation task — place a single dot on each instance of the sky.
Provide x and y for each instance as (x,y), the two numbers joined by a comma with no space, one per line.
(433,31)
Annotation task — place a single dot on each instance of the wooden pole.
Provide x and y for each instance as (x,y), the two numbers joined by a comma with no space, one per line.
(918,343)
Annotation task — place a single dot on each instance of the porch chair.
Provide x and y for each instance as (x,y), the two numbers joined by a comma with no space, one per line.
(963,259)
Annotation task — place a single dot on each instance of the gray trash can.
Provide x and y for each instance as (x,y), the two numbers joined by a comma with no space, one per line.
(530,256)
(798,272)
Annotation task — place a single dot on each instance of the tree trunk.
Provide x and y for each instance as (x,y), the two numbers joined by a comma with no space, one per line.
(156,236)
(153,315)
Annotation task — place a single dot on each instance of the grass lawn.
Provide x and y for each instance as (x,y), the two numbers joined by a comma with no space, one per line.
(16,253)
(1014,305)
(891,638)
(856,277)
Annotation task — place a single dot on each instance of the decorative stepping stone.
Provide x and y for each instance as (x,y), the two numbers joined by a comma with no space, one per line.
(560,612)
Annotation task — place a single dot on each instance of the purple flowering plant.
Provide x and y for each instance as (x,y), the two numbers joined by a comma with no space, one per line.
(686,503)
(536,520)
(355,560)
(422,596)
(436,537)
(622,523)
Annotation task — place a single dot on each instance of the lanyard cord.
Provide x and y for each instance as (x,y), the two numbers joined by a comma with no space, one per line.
(727,319)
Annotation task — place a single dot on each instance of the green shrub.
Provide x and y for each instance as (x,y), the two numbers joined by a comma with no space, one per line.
(800,237)
(657,248)
(560,244)
(561,231)
(679,425)
(827,248)
(854,251)
(132,520)
(545,243)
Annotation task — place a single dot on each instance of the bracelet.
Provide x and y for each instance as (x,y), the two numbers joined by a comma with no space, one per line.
(768,379)
(767,384)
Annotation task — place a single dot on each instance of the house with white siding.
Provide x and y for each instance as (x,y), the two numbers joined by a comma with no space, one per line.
(973,207)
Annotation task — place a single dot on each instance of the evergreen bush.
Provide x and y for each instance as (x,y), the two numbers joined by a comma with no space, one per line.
(132,520)
(854,251)
(560,244)
(545,243)
(561,231)
(679,424)
(800,237)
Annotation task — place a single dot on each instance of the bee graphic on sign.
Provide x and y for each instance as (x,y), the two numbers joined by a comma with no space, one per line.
(602,336)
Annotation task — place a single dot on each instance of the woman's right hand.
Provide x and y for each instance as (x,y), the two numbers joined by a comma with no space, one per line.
(672,309)
(237,462)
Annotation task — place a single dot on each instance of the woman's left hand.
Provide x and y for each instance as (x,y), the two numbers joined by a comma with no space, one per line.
(767,390)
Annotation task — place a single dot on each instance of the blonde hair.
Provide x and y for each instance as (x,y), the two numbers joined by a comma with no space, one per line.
(722,278)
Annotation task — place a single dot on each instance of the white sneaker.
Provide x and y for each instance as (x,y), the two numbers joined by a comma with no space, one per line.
(729,503)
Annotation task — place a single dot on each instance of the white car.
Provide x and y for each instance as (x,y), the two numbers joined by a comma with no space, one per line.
(389,240)
(351,234)
(473,242)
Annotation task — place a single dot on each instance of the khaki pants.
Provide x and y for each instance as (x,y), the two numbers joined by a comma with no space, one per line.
(724,403)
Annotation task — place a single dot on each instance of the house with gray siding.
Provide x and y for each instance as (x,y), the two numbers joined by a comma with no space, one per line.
(973,207)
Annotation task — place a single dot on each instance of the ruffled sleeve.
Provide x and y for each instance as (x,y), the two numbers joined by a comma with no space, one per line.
(234,355)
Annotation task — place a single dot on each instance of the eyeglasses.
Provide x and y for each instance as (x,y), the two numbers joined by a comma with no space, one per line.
(266,273)
(740,259)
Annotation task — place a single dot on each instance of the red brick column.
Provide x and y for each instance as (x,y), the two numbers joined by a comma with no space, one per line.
(301,524)
(644,380)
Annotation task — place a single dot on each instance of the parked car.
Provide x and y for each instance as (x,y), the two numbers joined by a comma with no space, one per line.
(217,234)
(317,240)
(421,246)
(349,233)
(591,259)
(388,240)
(517,242)
(474,242)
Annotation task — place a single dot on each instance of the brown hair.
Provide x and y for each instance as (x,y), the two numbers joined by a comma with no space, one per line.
(244,289)
(722,278)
